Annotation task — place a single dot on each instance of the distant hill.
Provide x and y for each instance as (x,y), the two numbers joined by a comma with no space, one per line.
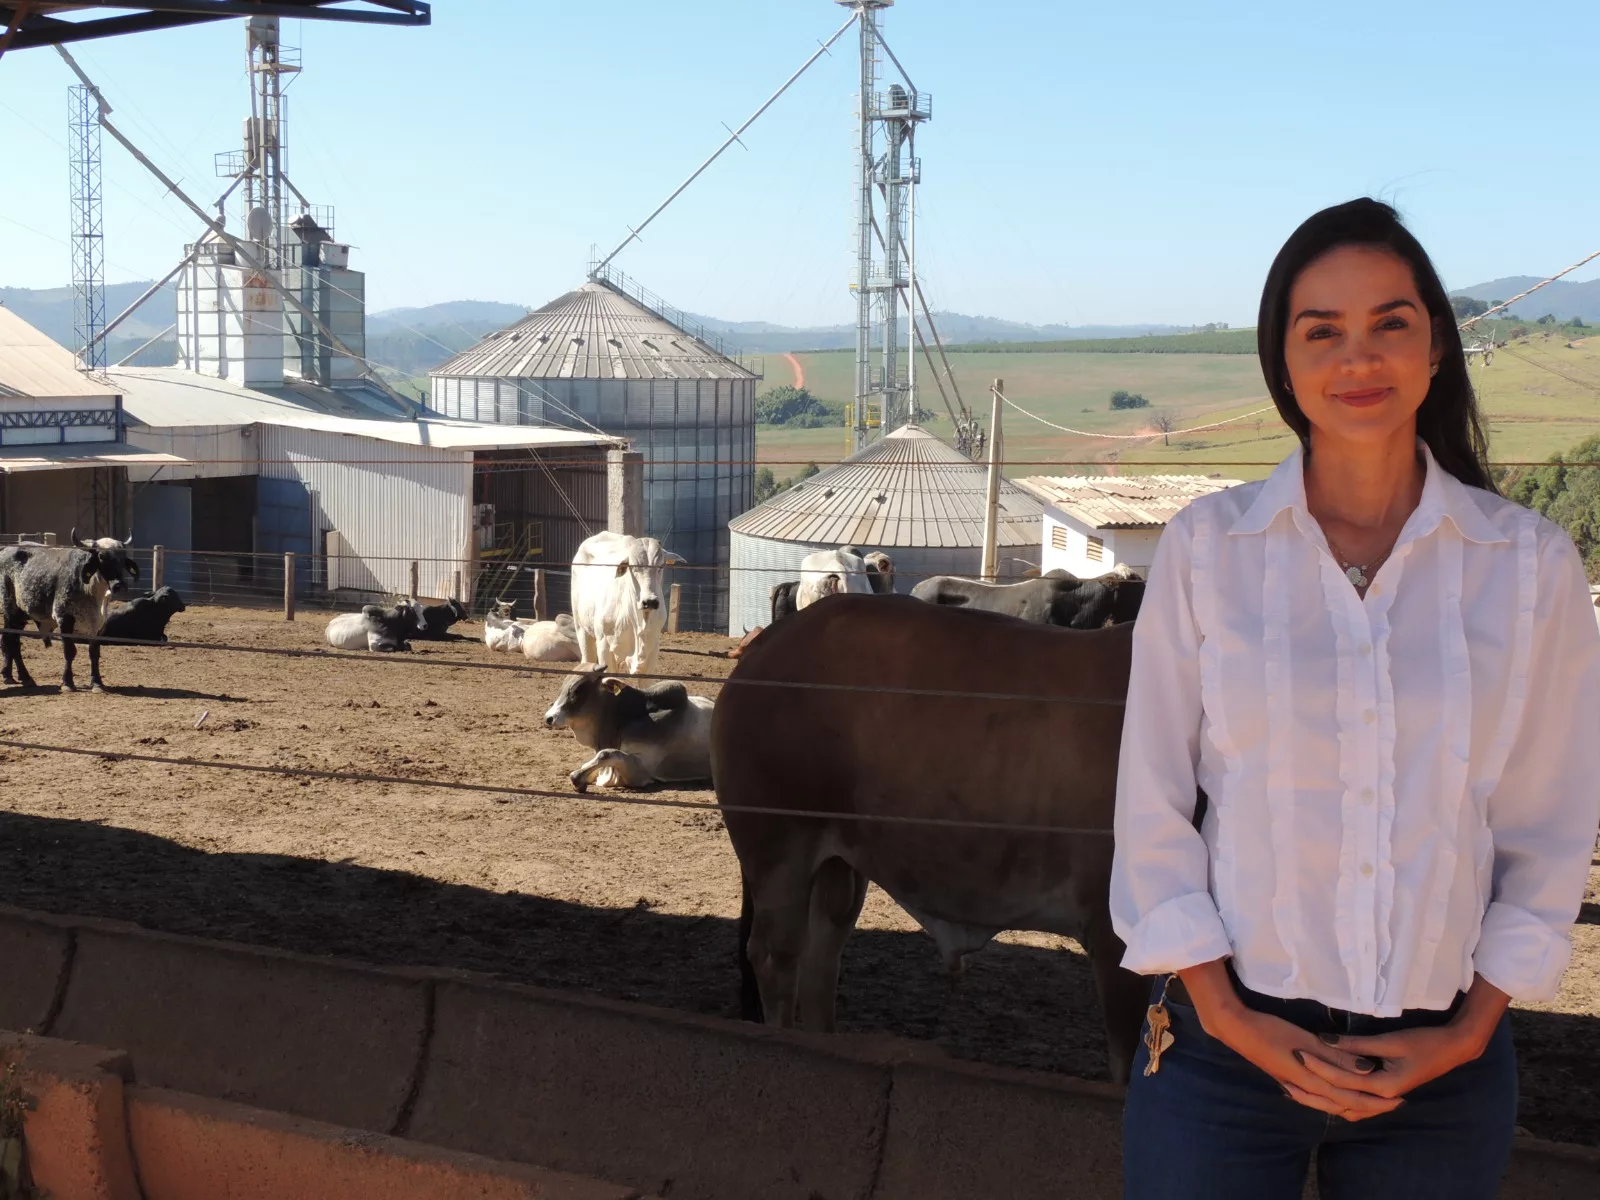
(761,337)
(470,313)
(1563,299)
(49,310)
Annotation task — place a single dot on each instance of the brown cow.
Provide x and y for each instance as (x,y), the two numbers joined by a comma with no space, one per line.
(1039,759)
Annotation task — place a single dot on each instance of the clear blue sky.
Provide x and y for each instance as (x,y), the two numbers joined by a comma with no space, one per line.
(1104,163)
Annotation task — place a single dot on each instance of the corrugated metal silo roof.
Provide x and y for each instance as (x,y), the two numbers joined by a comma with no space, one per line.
(595,332)
(906,489)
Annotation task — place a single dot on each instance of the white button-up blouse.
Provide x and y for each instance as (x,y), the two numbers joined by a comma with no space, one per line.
(1403,789)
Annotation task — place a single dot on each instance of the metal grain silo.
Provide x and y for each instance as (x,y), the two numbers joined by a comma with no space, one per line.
(907,494)
(624,363)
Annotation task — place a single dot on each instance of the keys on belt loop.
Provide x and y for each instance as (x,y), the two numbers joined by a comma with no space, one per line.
(1159,1037)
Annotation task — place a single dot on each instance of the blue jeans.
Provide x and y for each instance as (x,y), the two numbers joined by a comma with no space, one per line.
(1211,1126)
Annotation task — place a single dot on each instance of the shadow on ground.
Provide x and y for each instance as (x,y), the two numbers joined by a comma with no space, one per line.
(1017,1006)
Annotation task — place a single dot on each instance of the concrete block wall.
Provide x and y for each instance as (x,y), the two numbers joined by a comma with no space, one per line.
(661,1102)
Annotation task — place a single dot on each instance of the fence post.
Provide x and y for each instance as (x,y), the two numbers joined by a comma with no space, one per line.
(674,604)
(288,585)
(158,568)
(456,594)
(413,592)
(540,604)
(49,539)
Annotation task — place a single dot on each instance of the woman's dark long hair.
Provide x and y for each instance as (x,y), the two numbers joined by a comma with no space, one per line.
(1448,420)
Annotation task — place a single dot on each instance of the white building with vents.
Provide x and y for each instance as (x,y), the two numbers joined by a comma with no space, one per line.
(619,362)
(1092,523)
(907,494)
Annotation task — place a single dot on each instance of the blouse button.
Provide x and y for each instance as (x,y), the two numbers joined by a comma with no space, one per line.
(1366,869)
(1366,795)
(1366,648)
(1369,716)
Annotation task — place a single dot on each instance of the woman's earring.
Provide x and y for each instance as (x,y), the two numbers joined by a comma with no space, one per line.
(1433,370)
(1288,387)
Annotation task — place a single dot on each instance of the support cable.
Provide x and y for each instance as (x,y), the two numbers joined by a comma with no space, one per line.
(633,233)
(1505,304)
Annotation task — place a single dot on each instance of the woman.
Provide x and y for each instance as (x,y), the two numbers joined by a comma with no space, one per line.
(1385,680)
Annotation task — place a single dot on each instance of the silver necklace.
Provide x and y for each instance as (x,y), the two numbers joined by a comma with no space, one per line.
(1359,575)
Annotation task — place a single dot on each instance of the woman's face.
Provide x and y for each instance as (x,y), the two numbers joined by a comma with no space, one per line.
(1360,348)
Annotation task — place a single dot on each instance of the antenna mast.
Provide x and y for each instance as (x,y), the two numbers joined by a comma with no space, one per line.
(886,165)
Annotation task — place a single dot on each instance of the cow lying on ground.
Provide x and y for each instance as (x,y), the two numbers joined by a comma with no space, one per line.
(1056,598)
(143,618)
(374,628)
(551,641)
(502,633)
(433,621)
(618,601)
(1045,762)
(542,641)
(63,589)
(642,736)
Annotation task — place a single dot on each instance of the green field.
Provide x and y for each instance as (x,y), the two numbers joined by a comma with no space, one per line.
(1538,396)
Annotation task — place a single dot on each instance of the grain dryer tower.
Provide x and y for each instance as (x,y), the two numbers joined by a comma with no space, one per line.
(612,357)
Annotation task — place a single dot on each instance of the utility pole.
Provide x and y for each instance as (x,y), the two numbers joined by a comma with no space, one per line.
(991,509)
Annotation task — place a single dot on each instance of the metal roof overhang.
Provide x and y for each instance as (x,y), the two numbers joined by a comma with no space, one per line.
(75,456)
(28,25)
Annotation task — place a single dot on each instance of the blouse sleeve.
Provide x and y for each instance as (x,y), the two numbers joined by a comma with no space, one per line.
(1544,809)
(1161,904)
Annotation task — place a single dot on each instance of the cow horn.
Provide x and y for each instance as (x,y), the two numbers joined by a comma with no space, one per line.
(76,542)
(127,542)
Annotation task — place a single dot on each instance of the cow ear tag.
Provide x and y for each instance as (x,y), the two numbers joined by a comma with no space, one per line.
(614,686)
(1158,1037)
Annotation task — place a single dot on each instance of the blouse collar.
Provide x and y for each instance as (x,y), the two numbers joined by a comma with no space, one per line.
(1443,496)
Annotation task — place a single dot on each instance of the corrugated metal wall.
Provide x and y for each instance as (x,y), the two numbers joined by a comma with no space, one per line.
(391,503)
(215,451)
(759,563)
(698,440)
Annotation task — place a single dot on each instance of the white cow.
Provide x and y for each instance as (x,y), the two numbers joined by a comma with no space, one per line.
(619,602)
(503,633)
(374,628)
(829,573)
(551,641)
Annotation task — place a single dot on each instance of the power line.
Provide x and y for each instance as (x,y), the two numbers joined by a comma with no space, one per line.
(1592,385)
(1133,437)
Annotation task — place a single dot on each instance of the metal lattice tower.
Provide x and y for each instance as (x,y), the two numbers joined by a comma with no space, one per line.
(88,233)
(887,171)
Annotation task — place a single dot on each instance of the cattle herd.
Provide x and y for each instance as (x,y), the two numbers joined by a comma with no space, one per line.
(956,746)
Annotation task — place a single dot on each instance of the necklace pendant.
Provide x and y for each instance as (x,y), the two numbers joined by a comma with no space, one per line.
(1356,576)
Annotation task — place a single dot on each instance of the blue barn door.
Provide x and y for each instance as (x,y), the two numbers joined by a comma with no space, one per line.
(283,524)
(163,516)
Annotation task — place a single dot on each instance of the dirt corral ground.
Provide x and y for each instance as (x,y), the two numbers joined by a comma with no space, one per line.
(631,902)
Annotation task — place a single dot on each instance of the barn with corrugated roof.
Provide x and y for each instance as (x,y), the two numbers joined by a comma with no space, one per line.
(907,494)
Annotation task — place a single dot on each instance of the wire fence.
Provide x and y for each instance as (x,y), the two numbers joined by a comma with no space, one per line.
(523,792)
